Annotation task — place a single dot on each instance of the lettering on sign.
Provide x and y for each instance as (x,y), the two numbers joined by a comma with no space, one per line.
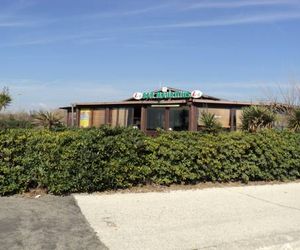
(167,95)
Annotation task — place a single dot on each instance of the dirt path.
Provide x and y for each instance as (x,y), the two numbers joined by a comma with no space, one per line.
(48,222)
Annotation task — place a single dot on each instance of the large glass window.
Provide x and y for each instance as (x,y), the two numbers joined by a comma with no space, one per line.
(179,119)
(155,118)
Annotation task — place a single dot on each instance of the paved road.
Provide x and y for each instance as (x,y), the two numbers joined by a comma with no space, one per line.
(254,217)
(45,223)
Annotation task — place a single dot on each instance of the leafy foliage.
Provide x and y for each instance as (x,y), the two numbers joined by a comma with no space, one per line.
(47,119)
(255,118)
(101,159)
(211,124)
(294,120)
(5,98)
(14,121)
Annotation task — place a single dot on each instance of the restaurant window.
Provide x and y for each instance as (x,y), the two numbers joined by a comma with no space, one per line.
(179,119)
(155,118)
(98,117)
(137,113)
(125,117)
(121,117)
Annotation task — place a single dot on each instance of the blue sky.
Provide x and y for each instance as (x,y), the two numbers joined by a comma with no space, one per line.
(55,52)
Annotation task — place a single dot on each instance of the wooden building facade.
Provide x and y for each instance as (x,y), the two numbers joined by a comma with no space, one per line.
(167,108)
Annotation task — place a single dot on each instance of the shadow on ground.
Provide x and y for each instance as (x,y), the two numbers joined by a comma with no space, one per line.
(48,222)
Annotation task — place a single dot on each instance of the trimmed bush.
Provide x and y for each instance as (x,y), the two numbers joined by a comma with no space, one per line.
(104,159)
(191,157)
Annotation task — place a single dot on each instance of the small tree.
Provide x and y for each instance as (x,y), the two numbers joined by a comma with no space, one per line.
(47,119)
(210,123)
(294,120)
(5,98)
(283,99)
(255,118)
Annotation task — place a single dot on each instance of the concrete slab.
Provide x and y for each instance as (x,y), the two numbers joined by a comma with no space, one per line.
(252,217)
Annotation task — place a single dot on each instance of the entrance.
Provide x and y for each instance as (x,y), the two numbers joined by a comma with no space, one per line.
(168,118)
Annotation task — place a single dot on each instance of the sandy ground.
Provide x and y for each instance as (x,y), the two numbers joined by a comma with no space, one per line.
(252,217)
(48,222)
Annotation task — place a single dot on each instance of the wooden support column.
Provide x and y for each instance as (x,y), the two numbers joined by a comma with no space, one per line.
(92,118)
(72,115)
(193,117)
(118,110)
(144,119)
(68,118)
(232,119)
(107,120)
(77,118)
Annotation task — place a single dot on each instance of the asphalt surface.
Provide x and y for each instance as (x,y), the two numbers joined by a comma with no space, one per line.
(263,217)
(46,223)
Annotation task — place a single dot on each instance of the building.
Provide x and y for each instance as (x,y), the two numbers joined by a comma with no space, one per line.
(166,108)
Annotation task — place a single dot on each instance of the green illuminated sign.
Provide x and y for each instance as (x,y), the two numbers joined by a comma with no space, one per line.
(166,95)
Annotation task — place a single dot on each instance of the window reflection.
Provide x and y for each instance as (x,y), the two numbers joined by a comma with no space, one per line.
(155,118)
(179,119)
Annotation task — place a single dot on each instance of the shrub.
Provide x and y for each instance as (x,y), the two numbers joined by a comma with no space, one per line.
(101,159)
(47,119)
(210,123)
(239,156)
(294,120)
(12,122)
(255,118)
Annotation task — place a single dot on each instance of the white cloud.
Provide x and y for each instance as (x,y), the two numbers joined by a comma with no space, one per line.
(15,24)
(82,38)
(239,4)
(133,12)
(233,20)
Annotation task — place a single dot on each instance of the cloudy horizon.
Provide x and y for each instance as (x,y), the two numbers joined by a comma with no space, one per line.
(58,52)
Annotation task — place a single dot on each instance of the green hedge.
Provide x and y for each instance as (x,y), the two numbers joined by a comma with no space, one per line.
(103,159)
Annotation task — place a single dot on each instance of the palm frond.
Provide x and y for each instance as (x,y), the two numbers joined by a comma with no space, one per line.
(5,98)
(294,120)
(255,118)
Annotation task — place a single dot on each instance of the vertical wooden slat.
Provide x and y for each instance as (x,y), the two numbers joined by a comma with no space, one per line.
(118,114)
(98,117)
